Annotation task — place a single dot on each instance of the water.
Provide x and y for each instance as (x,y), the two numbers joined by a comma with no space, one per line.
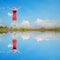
(30,46)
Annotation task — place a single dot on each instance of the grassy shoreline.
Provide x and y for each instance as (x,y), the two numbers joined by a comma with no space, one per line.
(6,29)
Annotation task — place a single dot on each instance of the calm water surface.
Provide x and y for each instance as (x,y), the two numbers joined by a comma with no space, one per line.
(30,46)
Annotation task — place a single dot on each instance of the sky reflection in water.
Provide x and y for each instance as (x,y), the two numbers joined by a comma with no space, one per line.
(30,46)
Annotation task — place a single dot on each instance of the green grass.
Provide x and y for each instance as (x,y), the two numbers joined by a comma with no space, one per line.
(6,29)
(40,29)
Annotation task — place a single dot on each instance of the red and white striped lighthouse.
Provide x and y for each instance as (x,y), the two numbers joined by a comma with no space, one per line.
(14,16)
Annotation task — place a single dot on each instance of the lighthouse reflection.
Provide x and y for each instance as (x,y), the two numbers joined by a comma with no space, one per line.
(14,43)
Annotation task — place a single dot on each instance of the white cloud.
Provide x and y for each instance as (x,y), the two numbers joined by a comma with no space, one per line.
(9,14)
(38,36)
(37,24)
(14,35)
(25,35)
(46,36)
(25,23)
(9,45)
(1,24)
(14,24)
(42,37)
(45,23)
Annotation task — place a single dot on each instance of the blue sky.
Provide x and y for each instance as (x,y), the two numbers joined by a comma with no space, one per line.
(30,10)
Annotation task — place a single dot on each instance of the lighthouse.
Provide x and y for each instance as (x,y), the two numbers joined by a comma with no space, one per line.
(14,43)
(14,16)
